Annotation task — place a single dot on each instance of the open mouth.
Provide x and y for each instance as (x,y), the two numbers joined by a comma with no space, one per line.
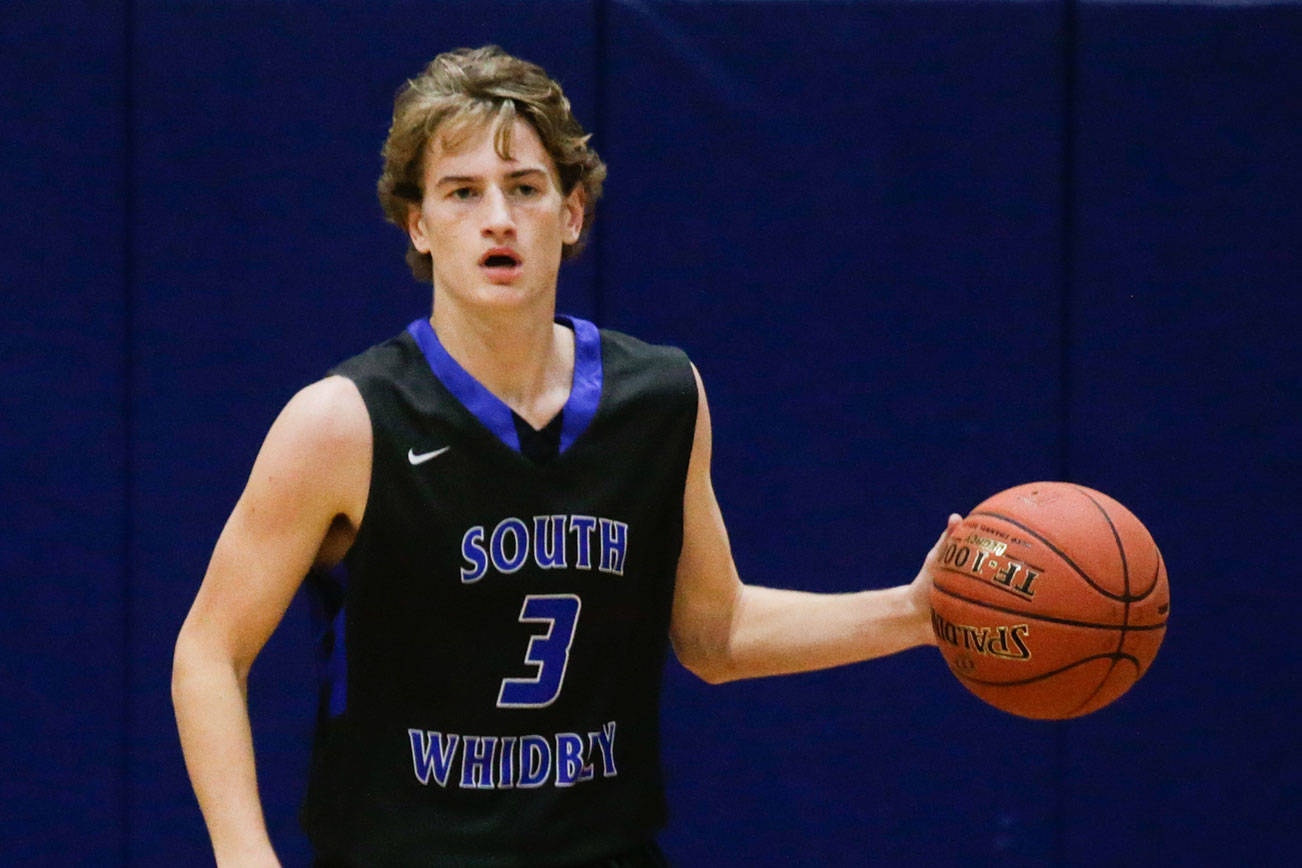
(499,258)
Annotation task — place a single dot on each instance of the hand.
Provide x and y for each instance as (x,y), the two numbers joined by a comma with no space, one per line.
(920,587)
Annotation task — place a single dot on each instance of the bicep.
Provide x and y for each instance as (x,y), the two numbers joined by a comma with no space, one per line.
(312,469)
(707,586)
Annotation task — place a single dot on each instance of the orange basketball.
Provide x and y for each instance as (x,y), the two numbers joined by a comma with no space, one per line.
(1049,600)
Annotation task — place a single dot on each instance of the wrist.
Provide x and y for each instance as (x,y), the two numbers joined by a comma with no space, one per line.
(915,608)
(247,854)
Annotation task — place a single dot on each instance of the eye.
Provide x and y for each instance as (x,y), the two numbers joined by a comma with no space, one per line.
(527,191)
(463,193)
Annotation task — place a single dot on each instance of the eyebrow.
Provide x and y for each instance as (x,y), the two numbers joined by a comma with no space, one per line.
(465,179)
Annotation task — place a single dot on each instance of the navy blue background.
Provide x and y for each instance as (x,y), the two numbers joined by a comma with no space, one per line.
(920,252)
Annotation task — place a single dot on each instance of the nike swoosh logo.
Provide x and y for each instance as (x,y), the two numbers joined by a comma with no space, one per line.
(424,456)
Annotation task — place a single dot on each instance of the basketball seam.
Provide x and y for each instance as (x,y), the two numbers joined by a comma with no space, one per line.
(1120,598)
(1023,614)
(1043,675)
(1125,615)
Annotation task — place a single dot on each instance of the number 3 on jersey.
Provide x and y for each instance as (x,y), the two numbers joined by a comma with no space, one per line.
(549,651)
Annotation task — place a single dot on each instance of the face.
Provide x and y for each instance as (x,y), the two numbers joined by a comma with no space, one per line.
(494,227)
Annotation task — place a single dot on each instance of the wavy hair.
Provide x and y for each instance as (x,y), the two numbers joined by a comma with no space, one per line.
(458,91)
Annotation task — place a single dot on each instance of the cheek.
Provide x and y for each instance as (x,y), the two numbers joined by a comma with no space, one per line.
(440,231)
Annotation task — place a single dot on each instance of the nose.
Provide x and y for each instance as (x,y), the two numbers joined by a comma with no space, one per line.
(498,219)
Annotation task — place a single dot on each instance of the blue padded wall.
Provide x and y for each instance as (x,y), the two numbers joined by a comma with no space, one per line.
(62,433)
(1185,405)
(857,237)
(919,251)
(263,259)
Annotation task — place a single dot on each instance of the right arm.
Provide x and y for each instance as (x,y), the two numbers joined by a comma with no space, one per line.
(723,629)
(301,508)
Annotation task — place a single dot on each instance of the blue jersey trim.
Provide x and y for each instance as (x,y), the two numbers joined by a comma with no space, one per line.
(492,412)
(585,390)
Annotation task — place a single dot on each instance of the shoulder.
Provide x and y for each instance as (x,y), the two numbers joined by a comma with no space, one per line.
(658,367)
(322,430)
(314,463)
(329,410)
(625,345)
(383,361)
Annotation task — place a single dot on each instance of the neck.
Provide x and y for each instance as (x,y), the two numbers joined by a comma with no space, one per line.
(521,356)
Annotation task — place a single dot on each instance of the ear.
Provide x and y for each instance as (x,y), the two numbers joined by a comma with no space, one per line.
(574,206)
(416,229)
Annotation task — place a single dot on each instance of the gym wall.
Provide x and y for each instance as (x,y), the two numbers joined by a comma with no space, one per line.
(920,252)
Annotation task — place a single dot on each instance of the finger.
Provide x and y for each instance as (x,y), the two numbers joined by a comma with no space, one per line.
(950,525)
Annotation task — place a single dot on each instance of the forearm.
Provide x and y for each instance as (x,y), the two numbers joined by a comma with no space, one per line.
(775,631)
(212,717)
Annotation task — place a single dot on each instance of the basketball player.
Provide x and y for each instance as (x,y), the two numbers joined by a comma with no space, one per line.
(507,515)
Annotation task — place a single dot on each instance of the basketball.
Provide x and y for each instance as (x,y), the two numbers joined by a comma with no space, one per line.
(1049,600)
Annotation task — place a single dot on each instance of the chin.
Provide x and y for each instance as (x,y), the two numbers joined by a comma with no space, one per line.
(505,295)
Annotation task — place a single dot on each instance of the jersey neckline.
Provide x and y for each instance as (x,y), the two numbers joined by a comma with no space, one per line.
(492,412)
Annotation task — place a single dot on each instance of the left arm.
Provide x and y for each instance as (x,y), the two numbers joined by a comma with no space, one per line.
(724,630)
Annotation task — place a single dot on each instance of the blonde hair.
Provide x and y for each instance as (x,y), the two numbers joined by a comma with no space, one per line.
(458,91)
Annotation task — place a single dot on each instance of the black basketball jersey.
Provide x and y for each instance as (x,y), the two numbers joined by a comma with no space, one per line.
(495,636)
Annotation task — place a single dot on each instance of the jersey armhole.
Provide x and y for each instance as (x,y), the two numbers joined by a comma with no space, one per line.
(369,496)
